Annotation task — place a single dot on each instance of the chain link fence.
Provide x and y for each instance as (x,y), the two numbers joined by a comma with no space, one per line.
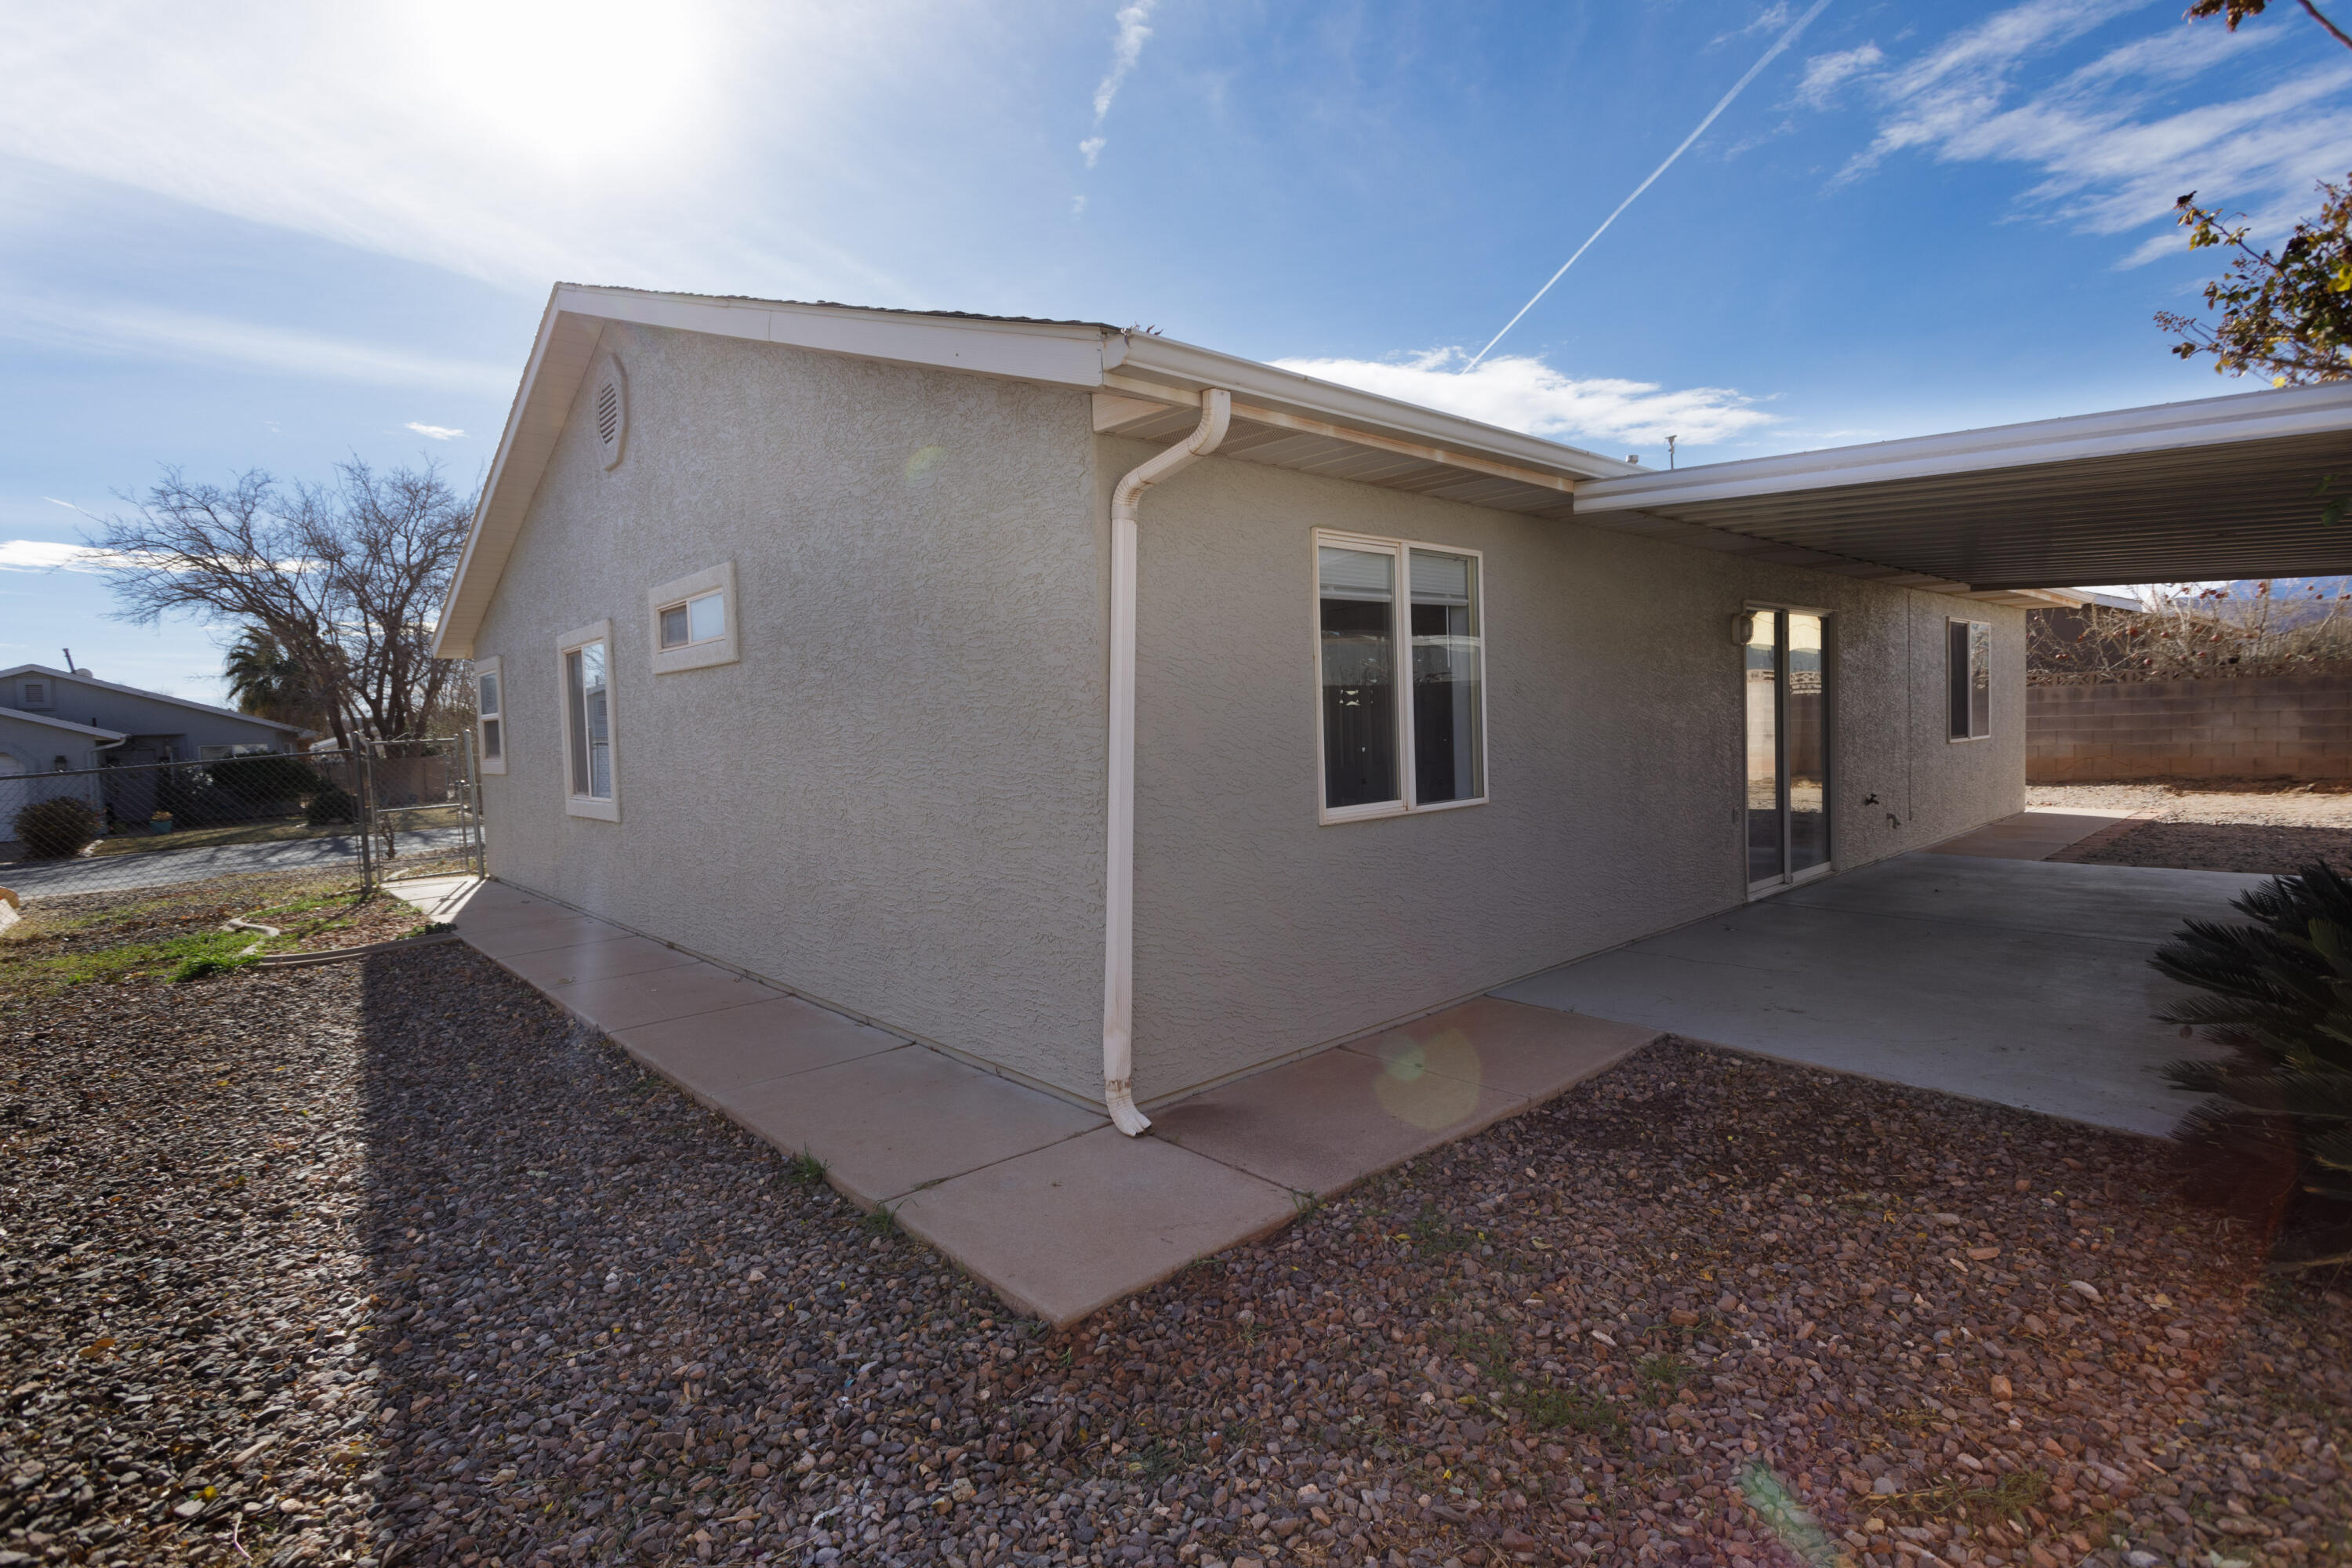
(380,811)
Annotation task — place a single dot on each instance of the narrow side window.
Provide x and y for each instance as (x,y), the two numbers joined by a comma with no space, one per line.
(489,707)
(585,674)
(1448,679)
(1358,623)
(1968,671)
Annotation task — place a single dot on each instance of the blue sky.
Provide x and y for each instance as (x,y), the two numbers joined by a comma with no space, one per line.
(274,236)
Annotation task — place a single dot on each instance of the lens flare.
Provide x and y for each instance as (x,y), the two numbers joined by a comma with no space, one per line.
(1430,1083)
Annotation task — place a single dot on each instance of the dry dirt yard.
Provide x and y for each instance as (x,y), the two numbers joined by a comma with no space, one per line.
(2268,829)
(388,1262)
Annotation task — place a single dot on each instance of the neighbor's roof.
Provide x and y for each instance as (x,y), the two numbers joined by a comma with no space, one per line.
(43,718)
(2221,488)
(150,695)
(2207,490)
(1145,385)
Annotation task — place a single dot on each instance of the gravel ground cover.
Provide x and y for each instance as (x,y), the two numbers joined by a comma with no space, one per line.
(389,1262)
(2273,831)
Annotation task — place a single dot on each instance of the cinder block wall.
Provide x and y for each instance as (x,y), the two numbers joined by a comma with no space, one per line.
(2296,726)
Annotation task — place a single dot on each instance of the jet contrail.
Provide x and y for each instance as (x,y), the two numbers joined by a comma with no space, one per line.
(1725,103)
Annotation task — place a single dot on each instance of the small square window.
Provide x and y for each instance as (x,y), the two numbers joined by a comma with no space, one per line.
(694,621)
(36,694)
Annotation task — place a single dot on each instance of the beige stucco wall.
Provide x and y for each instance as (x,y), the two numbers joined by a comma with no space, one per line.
(886,803)
(893,802)
(1614,762)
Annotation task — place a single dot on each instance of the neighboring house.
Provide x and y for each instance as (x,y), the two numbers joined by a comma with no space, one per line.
(149,726)
(40,744)
(814,640)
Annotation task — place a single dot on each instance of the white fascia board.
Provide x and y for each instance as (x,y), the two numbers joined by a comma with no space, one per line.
(22,717)
(1025,350)
(2171,426)
(1187,369)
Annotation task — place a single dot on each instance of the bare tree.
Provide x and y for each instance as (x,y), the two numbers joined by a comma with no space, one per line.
(344,577)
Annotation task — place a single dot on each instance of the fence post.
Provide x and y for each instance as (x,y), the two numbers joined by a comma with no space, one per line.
(363,775)
(474,802)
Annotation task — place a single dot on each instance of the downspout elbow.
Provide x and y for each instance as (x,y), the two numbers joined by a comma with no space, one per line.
(1118,874)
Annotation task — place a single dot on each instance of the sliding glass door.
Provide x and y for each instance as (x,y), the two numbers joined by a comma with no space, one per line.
(1787,802)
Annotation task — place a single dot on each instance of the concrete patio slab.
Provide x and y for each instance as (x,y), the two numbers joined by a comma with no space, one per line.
(888,1123)
(624,1000)
(713,1054)
(1323,1123)
(1068,1229)
(2021,982)
(1529,1053)
(607,958)
(2036,833)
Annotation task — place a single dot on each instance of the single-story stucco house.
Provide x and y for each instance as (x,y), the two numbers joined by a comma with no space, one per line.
(1127,717)
(142,726)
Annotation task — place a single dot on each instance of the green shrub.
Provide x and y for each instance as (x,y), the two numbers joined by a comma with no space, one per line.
(2278,999)
(58,826)
(332,804)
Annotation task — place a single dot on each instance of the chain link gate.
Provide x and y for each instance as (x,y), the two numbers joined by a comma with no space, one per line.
(422,801)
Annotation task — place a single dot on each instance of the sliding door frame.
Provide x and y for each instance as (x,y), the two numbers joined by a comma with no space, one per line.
(1785,879)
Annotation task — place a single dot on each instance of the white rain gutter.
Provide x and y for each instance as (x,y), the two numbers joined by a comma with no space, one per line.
(1119,865)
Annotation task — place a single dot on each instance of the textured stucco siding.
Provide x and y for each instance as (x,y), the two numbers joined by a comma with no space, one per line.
(892,802)
(1614,761)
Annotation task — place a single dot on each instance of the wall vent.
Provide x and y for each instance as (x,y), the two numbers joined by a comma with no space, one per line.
(610,412)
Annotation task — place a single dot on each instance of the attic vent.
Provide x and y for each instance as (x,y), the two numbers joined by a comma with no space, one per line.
(611,411)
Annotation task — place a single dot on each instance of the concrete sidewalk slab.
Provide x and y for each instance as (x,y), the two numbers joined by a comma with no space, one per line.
(1068,1229)
(607,958)
(2021,982)
(1529,1053)
(625,1001)
(1323,1123)
(2036,833)
(888,1123)
(713,1054)
(511,936)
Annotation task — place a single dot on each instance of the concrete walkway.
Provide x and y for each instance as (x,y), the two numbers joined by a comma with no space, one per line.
(1037,1196)
(2044,833)
(2024,981)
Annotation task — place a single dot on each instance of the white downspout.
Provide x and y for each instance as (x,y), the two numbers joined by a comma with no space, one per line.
(1118,867)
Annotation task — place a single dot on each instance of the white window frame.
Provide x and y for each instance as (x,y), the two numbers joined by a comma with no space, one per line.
(494,668)
(1951,675)
(1407,772)
(604,808)
(233,750)
(720,650)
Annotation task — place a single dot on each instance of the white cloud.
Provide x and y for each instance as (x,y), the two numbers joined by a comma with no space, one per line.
(1126,48)
(2110,143)
(47,556)
(433,432)
(1824,74)
(1521,392)
(179,335)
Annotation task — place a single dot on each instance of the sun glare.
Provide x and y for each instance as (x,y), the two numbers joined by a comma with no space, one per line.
(585,87)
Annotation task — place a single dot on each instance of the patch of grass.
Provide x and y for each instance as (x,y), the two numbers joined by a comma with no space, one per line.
(881,1220)
(1156,1461)
(1433,1235)
(130,961)
(1663,1376)
(1553,1408)
(198,968)
(1972,1498)
(805,1169)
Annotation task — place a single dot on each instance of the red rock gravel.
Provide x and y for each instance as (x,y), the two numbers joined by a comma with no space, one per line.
(386,1262)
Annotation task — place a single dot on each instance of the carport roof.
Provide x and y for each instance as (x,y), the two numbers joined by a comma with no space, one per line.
(2220,487)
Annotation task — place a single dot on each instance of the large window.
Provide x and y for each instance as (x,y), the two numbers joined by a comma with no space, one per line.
(490,699)
(591,788)
(1970,671)
(1402,647)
